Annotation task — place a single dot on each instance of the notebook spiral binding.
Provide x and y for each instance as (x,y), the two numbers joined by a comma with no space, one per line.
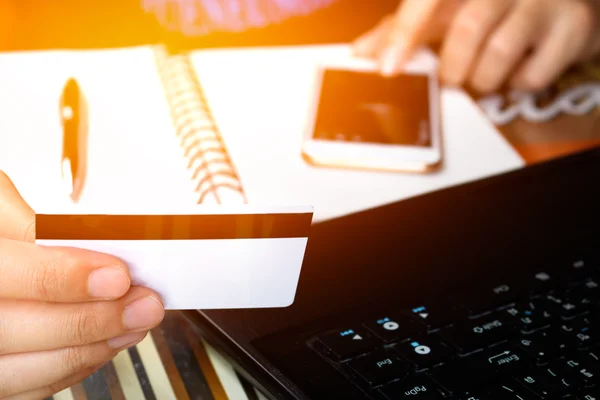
(210,168)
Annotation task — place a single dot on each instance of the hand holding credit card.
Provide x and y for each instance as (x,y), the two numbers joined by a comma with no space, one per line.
(204,257)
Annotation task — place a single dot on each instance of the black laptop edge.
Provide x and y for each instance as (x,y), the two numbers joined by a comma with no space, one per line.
(271,382)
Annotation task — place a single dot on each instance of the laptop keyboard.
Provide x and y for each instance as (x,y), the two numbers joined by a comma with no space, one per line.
(531,337)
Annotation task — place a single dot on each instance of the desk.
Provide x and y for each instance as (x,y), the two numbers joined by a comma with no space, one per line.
(174,363)
(564,133)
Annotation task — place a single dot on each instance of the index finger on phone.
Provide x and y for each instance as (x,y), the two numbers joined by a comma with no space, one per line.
(410,21)
(59,274)
(18,219)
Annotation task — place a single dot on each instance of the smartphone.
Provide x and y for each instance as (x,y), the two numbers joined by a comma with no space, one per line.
(362,119)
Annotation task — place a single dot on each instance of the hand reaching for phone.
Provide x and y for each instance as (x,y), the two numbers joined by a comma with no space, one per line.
(490,43)
(64,312)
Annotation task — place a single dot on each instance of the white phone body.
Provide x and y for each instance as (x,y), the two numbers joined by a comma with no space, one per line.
(372,155)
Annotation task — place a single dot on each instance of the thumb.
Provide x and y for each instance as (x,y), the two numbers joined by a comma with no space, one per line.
(17,219)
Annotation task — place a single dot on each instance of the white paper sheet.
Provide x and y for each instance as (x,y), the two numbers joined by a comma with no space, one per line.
(260,99)
(133,154)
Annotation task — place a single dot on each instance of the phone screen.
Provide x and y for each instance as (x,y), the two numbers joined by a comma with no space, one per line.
(367,107)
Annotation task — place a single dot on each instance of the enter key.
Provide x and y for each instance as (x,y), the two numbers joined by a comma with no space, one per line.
(505,359)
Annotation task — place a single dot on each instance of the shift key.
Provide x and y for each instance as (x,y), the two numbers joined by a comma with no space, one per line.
(478,333)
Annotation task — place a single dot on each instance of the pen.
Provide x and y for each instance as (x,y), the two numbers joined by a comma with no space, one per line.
(73,114)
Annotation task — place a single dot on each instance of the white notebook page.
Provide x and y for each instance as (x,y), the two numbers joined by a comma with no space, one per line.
(133,154)
(260,99)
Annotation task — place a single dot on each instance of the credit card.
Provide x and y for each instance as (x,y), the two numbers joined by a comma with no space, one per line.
(204,257)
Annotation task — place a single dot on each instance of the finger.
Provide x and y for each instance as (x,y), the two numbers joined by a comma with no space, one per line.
(50,390)
(411,21)
(27,371)
(59,274)
(507,46)
(466,35)
(567,34)
(76,324)
(371,43)
(17,218)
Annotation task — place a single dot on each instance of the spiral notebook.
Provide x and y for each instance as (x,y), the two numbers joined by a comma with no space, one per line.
(240,116)
(209,126)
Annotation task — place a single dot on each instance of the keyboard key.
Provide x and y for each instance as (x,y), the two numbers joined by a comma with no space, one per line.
(552,302)
(581,268)
(465,375)
(579,333)
(535,349)
(479,333)
(591,285)
(584,301)
(347,342)
(435,317)
(506,359)
(577,370)
(544,280)
(418,388)
(572,308)
(592,357)
(391,329)
(474,395)
(425,352)
(586,338)
(543,346)
(380,367)
(490,297)
(564,385)
(538,383)
(589,288)
(549,345)
(529,317)
(510,391)
(561,305)
(588,394)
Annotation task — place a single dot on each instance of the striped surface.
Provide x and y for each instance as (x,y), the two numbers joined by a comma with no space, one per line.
(170,363)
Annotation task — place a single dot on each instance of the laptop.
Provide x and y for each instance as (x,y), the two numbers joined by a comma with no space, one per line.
(488,290)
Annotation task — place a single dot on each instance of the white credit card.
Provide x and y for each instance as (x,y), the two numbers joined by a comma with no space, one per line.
(204,257)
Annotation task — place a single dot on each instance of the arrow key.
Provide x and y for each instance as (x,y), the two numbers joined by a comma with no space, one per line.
(393,328)
(425,352)
(436,316)
(345,343)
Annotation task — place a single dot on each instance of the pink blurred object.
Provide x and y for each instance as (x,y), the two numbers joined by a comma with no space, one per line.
(199,17)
